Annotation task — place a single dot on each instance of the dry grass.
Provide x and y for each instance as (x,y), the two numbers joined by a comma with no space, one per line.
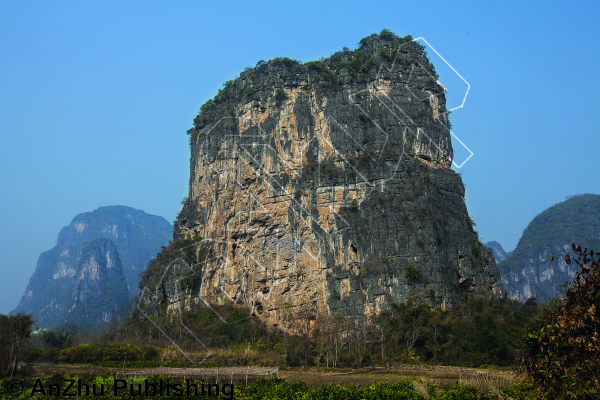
(318,376)
(487,381)
(70,369)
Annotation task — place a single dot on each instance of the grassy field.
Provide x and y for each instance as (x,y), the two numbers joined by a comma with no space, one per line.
(319,376)
(486,380)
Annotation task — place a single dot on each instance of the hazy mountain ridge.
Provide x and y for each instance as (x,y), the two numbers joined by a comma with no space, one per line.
(528,271)
(136,235)
(499,253)
(99,288)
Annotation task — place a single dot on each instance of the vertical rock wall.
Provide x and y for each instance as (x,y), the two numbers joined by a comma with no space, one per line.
(320,186)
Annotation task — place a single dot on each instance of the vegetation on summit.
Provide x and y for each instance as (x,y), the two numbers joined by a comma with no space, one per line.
(330,75)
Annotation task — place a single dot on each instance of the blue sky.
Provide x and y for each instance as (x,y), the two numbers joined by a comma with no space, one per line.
(96,97)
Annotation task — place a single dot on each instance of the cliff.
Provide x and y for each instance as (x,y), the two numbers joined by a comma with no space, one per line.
(99,288)
(528,271)
(326,188)
(499,253)
(136,235)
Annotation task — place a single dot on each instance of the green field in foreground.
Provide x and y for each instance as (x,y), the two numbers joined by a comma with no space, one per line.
(274,388)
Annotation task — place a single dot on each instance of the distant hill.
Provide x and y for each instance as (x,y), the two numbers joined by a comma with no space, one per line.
(499,253)
(99,287)
(136,235)
(528,271)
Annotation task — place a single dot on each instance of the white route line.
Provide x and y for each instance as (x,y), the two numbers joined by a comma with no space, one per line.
(366,185)
(437,81)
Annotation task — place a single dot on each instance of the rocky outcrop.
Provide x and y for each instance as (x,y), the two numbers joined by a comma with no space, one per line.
(499,253)
(326,188)
(137,236)
(99,289)
(529,271)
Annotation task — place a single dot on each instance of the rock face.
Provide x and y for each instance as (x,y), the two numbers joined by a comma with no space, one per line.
(499,253)
(137,236)
(528,271)
(326,188)
(99,287)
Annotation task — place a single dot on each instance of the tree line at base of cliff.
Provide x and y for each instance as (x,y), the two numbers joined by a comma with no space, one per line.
(556,345)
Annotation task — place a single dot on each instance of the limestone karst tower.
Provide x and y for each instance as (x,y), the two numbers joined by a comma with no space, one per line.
(326,187)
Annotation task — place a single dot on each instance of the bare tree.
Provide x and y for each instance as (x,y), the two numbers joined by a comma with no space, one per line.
(385,323)
(434,327)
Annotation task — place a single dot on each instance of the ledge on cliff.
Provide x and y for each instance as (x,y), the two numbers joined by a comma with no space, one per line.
(326,187)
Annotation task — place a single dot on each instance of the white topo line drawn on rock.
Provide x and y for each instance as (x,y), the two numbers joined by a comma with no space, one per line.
(242,154)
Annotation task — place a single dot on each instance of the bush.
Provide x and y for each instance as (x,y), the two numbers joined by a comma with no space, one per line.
(412,273)
(386,34)
(280,95)
(108,352)
(287,62)
(562,350)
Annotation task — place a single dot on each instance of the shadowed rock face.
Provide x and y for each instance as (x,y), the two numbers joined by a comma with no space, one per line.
(499,253)
(137,236)
(99,288)
(317,185)
(528,271)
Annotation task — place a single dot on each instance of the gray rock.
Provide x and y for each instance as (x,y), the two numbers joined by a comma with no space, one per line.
(499,253)
(356,183)
(529,271)
(137,236)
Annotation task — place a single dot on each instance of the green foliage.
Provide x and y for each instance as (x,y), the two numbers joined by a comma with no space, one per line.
(320,72)
(366,40)
(412,273)
(59,339)
(108,352)
(316,66)
(573,220)
(278,388)
(142,364)
(15,331)
(359,65)
(432,295)
(487,333)
(280,95)
(155,268)
(562,346)
(193,278)
(249,90)
(324,73)
(286,62)
(475,251)
(237,314)
(206,109)
(386,34)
